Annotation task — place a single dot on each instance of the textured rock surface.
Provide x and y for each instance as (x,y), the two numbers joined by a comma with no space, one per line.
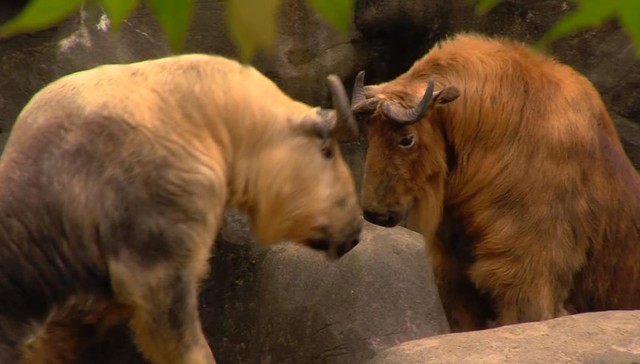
(307,309)
(602,337)
(28,62)
(308,50)
(289,304)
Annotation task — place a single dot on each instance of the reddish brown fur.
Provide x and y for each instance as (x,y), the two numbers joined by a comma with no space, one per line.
(528,203)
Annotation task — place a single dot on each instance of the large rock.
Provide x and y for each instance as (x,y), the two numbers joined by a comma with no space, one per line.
(290,304)
(28,62)
(602,338)
(300,307)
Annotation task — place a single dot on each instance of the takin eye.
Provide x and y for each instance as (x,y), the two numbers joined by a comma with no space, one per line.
(327,152)
(407,141)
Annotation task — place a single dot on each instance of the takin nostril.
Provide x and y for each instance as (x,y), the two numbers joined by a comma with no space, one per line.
(389,220)
(320,244)
(392,220)
(346,247)
(372,217)
(354,242)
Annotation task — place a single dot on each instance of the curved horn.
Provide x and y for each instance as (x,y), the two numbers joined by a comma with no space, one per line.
(359,102)
(345,126)
(357,95)
(402,115)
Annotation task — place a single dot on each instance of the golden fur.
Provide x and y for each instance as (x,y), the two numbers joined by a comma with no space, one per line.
(113,185)
(528,204)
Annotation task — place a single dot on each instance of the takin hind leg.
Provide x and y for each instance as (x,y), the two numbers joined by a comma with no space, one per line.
(165,321)
(465,307)
(527,282)
(72,328)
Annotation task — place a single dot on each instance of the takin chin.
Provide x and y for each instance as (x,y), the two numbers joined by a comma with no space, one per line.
(511,168)
(113,186)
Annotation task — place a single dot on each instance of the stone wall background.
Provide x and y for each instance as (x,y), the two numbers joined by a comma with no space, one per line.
(387,37)
(285,304)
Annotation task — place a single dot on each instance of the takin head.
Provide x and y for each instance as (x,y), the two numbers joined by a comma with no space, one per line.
(305,190)
(405,161)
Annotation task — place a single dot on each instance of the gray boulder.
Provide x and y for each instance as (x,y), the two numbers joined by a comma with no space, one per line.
(290,304)
(300,307)
(599,337)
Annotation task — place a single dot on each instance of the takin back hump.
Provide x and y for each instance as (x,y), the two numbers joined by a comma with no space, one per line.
(543,202)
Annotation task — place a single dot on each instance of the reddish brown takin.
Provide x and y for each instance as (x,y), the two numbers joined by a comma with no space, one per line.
(113,185)
(514,173)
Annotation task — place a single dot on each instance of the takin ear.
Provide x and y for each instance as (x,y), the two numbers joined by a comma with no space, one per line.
(319,125)
(445,96)
(407,116)
(326,124)
(338,123)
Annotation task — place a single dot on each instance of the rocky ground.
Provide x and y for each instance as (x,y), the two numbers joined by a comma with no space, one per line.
(588,338)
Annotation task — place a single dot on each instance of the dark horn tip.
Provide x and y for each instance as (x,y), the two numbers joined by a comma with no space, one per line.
(430,86)
(426,98)
(341,104)
(357,94)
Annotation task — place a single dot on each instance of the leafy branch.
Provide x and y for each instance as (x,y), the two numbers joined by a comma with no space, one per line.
(588,14)
(251,23)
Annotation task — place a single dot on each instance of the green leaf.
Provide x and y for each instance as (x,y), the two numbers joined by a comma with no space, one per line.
(40,14)
(483,6)
(337,12)
(253,25)
(629,13)
(119,10)
(174,17)
(589,13)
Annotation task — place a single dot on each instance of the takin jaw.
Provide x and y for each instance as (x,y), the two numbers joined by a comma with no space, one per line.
(312,201)
(293,181)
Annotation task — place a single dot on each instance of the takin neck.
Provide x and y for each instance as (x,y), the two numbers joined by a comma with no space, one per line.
(247,123)
(427,210)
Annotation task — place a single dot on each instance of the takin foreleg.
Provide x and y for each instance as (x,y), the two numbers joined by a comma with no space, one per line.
(530,281)
(164,297)
(465,307)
